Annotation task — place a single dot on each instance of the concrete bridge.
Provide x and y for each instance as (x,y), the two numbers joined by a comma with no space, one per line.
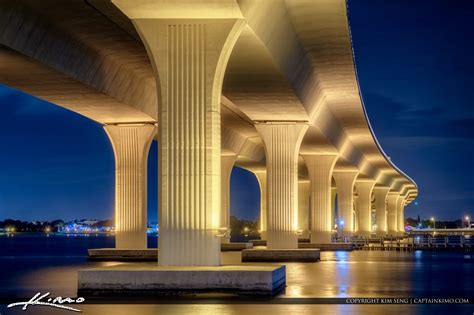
(266,85)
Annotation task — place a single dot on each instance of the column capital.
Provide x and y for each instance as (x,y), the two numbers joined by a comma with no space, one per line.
(365,185)
(345,175)
(382,188)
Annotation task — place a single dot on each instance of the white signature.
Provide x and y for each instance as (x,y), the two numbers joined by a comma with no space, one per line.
(43,300)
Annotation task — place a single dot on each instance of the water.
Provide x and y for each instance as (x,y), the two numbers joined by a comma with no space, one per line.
(30,263)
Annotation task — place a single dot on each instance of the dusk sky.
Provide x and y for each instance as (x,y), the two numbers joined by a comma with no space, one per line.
(415,65)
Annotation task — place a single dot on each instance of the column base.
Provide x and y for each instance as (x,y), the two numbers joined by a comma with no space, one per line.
(304,240)
(392,233)
(225,240)
(280,255)
(304,235)
(146,280)
(365,234)
(262,242)
(235,247)
(320,237)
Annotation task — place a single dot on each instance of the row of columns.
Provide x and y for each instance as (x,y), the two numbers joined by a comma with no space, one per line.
(189,50)
(131,143)
(313,211)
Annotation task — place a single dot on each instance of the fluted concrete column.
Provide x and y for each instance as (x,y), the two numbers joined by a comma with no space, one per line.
(381,209)
(131,144)
(282,142)
(392,199)
(189,49)
(356,213)
(320,168)
(401,215)
(227,164)
(345,186)
(303,208)
(334,211)
(364,206)
(262,181)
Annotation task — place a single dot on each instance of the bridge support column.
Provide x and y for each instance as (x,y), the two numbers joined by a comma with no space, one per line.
(189,50)
(345,180)
(392,200)
(303,209)
(381,209)
(262,181)
(131,143)
(334,210)
(401,215)
(364,206)
(227,164)
(282,142)
(320,168)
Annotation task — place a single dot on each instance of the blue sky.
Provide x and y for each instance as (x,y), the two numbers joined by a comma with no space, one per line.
(414,61)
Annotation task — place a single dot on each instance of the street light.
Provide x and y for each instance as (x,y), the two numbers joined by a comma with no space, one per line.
(468,220)
(434,222)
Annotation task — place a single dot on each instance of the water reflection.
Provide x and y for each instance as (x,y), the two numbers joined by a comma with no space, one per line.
(338,274)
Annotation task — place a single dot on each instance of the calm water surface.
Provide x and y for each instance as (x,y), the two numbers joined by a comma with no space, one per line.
(31,263)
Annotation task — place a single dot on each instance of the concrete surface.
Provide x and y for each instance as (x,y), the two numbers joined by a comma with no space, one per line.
(104,254)
(280,255)
(145,280)
(229,247)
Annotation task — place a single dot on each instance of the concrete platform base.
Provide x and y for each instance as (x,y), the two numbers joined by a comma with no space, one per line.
(146,280)
(328,247)
(259,242)
(149,254)
(107,254)
(304,240)
(264,242)
(280,255)
(235,247)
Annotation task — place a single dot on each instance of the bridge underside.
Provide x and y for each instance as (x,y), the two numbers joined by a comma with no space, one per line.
(269,86)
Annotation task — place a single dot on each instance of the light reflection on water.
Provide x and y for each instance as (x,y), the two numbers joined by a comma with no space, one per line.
(338,274)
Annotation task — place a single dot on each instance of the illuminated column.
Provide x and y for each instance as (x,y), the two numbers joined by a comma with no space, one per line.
(262,181)
(392,199)
(401,215)
(303,208)
(227,164)
(320,169)
(355,213)
(131,144)
(381,209)
(345,198)
(364,206)
(282,142)
(189,48)
(334,211)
